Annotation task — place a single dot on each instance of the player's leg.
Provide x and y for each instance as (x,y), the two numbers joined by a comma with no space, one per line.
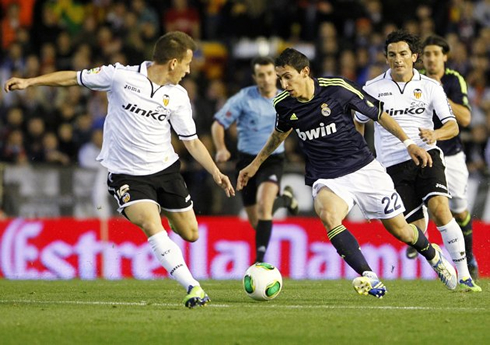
(432,187)
(457,182)
(332,209)
(423,224)
(286,199)
(376,196)
(140,203)
(465,222)
(415,238)
(453,239)
(147,217)
(273,170)
(266,193)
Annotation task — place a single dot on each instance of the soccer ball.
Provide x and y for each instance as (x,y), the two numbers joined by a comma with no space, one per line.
(262,281)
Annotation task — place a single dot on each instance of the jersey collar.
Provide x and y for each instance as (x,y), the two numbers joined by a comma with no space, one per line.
(143,69)
(416,74)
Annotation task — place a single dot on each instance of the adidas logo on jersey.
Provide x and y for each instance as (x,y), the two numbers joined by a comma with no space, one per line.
(318,132)
(160,114)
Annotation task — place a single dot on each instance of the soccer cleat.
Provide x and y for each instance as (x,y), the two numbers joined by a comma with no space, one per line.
(196,297)
(473,268)
(469,285)
(369,284)
(411,253)
(445,271)
(293,207)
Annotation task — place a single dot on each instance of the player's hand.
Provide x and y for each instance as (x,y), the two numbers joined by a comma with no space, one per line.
(245,174)
(222,156)
(224,182)
(15,84)
(427,135)
(420,156)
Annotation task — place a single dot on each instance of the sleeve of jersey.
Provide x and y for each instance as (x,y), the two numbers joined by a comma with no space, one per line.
(281,125)
(98,78)
(183,123)
(460,93)
(366,107)
(441,105)
(230,111)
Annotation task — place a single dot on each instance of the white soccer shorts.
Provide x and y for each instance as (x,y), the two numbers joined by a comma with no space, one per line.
(371,188)
(457,181)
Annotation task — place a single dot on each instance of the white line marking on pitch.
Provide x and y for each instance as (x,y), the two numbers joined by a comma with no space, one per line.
(214,305)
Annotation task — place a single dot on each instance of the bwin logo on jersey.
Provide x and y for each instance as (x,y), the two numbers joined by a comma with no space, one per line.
(159,114)
(318,132)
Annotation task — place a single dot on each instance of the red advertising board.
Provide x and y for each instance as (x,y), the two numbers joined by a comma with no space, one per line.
(88,249)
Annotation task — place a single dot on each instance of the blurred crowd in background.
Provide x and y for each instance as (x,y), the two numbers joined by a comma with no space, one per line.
(62,126)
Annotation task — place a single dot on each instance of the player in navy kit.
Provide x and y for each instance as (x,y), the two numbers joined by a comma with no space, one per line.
(435,52)
(340,167)
(412,100)
(145,101)
(251,108)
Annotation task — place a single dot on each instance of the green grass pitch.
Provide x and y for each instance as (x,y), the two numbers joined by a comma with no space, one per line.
(306,312)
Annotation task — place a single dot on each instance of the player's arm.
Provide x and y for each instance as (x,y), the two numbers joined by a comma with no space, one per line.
(448,130)
(218,134)
(275,139)
(418,154)
(61,78)
(360,127)
(197,150)
(462,113)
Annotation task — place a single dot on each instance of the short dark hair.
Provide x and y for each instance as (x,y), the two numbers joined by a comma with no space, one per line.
(172,45)
(401,35)
(262,61)
(435,40)
(293,58)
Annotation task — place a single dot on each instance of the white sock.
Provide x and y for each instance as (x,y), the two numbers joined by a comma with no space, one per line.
(171,258)
(454,243)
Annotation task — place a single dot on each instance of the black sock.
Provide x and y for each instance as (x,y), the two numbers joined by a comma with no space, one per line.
(348,248)
(467,229)
(262,237)
(280,201)
(422,244)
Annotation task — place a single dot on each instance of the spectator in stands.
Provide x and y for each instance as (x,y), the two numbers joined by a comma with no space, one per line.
(12,150)
(182,16)
(51,152)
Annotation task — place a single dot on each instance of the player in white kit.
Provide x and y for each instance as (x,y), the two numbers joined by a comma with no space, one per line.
(145,101)
(435,54)
(411,99)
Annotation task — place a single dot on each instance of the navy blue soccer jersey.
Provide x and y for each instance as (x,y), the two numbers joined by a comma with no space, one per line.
(457,91)
(328,138)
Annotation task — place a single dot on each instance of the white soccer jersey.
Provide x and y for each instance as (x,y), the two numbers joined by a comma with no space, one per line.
(137,129)
(412,105)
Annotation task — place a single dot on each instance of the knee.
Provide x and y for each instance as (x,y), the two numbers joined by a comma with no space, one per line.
(399,228)
(405,234)
(440,212)
(189,232)
(329,219)
(149,227)
(191,237)
(263,211)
